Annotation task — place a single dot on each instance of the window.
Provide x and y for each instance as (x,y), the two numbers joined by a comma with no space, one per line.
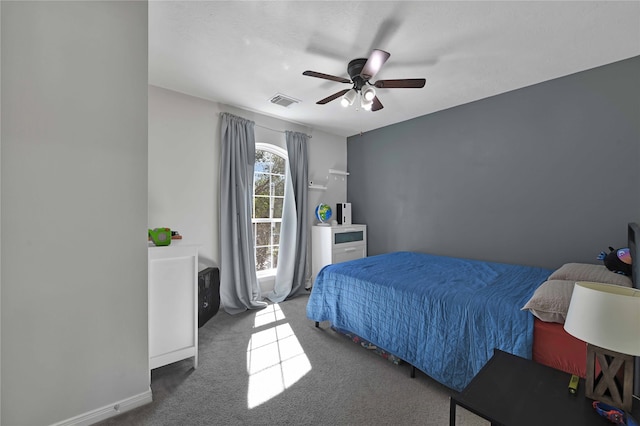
(268,199)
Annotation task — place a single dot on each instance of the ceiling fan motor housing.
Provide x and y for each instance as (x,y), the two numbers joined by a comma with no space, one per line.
(354,69)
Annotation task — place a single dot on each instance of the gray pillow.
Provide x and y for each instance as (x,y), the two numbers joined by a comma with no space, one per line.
(588,272)
(550,301)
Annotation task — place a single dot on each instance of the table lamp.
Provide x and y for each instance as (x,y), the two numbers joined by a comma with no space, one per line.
(607,317)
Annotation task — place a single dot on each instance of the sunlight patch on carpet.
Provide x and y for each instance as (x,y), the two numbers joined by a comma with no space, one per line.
(275,358)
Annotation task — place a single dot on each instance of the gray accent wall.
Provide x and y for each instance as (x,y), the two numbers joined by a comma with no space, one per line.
(542,175)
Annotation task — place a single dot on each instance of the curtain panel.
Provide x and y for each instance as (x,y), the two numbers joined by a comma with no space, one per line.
(292,256)
(239,289)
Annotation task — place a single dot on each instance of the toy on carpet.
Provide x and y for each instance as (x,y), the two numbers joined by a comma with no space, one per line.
(618,261)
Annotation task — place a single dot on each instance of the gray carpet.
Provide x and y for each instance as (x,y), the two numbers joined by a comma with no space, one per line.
(274,367)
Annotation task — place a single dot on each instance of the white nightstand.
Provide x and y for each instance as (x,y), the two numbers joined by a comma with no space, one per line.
(335,244)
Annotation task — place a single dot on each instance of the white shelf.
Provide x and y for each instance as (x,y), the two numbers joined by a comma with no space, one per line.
(320,187)
(338,172)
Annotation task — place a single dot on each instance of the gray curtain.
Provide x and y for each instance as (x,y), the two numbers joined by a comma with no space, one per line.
(292,255)
(239,289)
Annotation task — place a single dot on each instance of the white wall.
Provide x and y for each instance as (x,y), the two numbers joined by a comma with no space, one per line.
(184,159)
(73,210)
(183,168)
(0,215)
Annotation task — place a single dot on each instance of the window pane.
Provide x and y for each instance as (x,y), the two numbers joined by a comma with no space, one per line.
(277,207)
(275,256)
(278,185)
(263,234)
(268,158)
(278,165)
(263,258)
(261,207)
(276,233)
(261,184)
(263,162)
(260,167)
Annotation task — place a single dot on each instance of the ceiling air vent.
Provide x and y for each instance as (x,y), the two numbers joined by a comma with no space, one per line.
(283,100)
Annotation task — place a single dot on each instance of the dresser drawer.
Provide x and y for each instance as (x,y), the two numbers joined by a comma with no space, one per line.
(343,254)
(351,237)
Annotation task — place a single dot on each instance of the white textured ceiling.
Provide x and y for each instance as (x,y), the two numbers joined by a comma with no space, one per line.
(241,53)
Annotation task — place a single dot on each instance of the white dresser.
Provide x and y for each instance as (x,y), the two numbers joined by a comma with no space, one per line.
(335,244)
(173,304)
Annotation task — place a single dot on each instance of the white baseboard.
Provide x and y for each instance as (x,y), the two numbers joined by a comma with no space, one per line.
(108,411)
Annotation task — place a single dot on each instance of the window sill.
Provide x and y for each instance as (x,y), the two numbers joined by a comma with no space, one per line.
(267,280)
(270,273)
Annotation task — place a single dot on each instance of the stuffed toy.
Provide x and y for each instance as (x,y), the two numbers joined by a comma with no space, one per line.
(618,261)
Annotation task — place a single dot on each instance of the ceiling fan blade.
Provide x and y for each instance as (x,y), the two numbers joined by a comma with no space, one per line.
(401,83)
(332,97)
(326,76)
(377,105)
(374,63)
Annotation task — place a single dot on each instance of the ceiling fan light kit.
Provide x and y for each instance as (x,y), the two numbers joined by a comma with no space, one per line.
(368,93)
(366,104)
(349,98)
(361,70)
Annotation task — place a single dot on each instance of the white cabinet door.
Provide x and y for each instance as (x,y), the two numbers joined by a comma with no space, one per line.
(173,298)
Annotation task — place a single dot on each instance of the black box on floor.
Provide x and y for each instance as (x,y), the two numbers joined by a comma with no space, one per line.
(208,294)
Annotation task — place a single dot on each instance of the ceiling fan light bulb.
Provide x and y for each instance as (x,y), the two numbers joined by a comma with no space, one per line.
(348,98)
(366,104)
(368,93)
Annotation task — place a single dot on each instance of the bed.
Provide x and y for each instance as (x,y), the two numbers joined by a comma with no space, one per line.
(445,315)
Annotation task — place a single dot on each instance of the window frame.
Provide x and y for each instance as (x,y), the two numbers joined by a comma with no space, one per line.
(280,152)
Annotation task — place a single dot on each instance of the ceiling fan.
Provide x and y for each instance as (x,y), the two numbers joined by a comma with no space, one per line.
(362,70)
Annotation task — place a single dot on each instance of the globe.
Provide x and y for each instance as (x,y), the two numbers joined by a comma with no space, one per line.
(323,213)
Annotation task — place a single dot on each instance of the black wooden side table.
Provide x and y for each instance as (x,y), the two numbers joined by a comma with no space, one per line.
(513,391)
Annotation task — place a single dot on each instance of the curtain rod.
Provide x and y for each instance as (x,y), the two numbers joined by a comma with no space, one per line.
(279,131)
(269,128)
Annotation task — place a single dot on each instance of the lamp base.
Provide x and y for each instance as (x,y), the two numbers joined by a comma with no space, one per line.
(606,387)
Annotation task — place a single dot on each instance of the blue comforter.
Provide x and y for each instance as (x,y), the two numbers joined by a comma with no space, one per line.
(441,314)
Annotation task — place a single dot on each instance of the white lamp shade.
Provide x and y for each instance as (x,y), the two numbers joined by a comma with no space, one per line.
(605,315)
(368,93)
(348,98)
(365,104)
